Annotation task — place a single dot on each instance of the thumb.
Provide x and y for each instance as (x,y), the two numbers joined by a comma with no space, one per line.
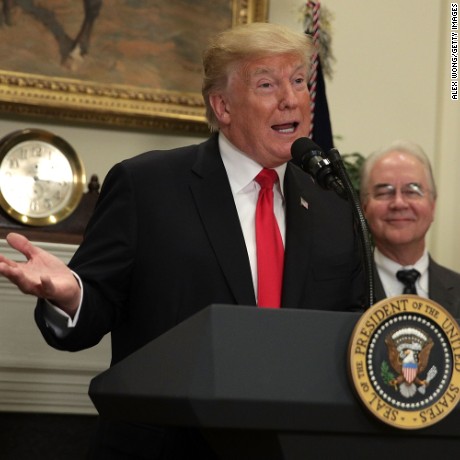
(21,244)
(48,289)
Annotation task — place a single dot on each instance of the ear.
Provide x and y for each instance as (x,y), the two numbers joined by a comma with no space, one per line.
(433,209)
(221,108)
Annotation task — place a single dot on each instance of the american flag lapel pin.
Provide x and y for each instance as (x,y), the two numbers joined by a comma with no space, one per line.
(303,203)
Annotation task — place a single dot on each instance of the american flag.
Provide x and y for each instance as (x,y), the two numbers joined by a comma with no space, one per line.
(410,371)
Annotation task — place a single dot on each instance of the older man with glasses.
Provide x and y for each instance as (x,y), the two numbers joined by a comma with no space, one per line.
(398,196)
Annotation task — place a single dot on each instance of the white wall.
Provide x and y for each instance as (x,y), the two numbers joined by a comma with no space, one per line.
(385,72)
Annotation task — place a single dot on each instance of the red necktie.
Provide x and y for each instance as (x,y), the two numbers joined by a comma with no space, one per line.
(270,250)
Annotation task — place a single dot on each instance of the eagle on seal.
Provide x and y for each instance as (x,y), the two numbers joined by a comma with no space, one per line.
(409,352)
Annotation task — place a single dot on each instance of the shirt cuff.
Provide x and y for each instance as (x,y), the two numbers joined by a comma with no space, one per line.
(58,320)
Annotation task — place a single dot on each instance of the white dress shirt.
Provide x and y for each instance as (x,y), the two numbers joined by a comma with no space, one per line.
(387,269)
(241,172)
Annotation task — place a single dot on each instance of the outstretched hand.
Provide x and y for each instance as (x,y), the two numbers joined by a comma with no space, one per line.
(42,275)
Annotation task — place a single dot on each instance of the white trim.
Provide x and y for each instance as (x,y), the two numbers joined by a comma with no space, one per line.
(33,376)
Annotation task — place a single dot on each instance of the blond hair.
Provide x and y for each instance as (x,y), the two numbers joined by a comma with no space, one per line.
(236,46)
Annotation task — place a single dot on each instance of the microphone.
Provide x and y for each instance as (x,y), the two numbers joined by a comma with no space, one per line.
(330,173)
(309,157)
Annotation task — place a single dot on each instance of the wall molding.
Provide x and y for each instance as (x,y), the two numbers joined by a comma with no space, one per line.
(33,376)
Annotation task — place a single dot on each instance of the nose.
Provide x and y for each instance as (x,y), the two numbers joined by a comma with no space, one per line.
(398,200)
(288,97)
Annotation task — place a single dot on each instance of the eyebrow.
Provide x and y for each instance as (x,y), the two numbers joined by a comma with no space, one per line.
(382,185)
(265,69)
(385,184)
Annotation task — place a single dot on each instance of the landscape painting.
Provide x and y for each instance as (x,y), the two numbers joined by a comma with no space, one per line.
(134,63)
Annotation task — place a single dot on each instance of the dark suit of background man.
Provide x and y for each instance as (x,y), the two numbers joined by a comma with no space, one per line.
(173,231)
(398,195)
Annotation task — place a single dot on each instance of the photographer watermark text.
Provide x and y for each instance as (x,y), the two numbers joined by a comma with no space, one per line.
(454,51)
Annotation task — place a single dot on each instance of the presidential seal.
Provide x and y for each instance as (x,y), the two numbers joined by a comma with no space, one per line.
(404,361)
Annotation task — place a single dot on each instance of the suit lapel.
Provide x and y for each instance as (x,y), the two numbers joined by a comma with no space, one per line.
(216,206)
(298,224)
(379,292)
(439,289)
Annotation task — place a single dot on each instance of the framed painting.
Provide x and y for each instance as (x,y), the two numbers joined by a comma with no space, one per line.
(127,63)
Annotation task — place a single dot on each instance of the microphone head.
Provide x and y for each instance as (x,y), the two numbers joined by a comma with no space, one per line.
(311,159)
(303,150)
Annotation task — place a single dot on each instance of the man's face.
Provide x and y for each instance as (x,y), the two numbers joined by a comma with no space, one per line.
(265,108)
(399,206)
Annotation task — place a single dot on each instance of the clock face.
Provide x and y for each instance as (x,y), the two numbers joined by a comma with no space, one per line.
(41,182)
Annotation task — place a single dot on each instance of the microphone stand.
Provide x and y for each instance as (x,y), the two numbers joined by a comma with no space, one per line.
(364,235)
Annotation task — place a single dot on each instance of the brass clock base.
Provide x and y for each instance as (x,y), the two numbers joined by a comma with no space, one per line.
(68,231)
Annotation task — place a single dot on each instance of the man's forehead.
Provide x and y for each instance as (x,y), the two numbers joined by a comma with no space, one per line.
(398,159)
(397,167)
(271,65)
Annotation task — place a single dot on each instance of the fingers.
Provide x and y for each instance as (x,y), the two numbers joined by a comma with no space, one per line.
(43,275)
(21,244)
(6,263)
(6,266)
(17,277)
(15,239)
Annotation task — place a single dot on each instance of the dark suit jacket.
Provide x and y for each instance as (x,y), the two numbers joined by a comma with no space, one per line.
(443,287)
(165,242)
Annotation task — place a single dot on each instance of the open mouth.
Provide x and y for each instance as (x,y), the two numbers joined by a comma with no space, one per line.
(286,128)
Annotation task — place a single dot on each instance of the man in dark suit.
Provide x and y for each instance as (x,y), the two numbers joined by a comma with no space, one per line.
(173,231)
(398,195)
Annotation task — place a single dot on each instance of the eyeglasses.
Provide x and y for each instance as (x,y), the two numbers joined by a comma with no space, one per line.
(387,192)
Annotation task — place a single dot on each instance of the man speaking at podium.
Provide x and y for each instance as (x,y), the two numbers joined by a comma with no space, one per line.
(228,221)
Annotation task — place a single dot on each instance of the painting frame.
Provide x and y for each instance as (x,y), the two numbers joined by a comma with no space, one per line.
(86,102)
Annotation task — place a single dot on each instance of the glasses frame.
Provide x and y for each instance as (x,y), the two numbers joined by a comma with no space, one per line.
(412,191)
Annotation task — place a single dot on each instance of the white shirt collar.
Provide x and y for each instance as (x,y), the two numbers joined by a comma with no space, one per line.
(387,269)
(241,169)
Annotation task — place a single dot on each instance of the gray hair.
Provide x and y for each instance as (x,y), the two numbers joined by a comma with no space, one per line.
(405,146)
(236,46)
